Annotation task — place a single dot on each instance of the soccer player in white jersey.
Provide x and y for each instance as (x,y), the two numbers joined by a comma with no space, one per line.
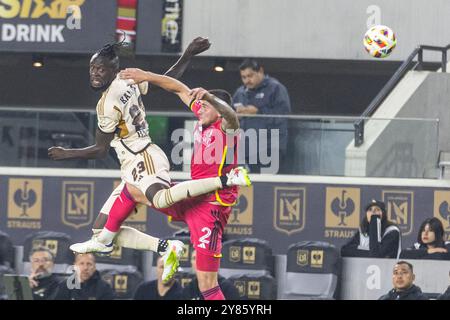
(122,125)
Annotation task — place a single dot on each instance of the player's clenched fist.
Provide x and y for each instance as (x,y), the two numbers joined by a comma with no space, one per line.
(57,153)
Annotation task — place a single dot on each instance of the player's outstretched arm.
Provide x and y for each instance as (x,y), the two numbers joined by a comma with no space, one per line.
(97,151)
(165,82)
(197,46)
(230,120)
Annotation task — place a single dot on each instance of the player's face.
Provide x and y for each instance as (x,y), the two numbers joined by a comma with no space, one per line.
(86,266)
(402,277)
(251,78)
(100,73)
(207,115)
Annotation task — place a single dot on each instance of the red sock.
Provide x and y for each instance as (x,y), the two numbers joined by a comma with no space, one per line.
(213,294)
(120,210)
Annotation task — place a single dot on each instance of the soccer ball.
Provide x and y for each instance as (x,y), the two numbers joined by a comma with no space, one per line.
(379,41)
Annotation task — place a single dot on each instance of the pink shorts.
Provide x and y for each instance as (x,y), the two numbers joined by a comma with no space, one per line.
(206,222)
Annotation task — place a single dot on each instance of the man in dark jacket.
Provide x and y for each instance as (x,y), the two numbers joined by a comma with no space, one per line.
(86,283)
(404,287)
(446,294)
(43,282)
(261,94)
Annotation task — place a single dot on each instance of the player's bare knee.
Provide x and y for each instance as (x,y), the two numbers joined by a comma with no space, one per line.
(153,189)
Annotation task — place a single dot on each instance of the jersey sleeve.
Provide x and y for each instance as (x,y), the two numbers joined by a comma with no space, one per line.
(195,106)
(109,114)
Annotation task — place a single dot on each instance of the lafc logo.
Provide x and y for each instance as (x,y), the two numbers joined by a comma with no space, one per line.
(442,208)
(25,199)
(400,209)
(302,257)
(77,203)
(289,211)
(235,254)
(342,207)
(240,286)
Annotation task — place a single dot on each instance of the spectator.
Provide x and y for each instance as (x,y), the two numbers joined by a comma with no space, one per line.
(192,292)
(404,288)
(6,250)
(430,242)
(446,294)
(261,94)
(156,289)
(377,236)
(43,282)
(88,285)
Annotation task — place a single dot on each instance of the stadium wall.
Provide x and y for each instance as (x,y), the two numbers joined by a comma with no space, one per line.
(295,208)
(314,29)
(420,95)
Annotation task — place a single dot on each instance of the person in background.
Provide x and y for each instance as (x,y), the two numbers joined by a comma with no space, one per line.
(403,280)
(87,284)
(261,94)
(157,289)
(377,237)
(430,242)
(43,282)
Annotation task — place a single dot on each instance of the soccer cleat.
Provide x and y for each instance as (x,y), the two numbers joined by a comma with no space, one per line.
(92,246)
(171,259)
(238,177)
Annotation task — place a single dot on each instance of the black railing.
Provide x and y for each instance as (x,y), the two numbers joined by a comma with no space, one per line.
(390,85)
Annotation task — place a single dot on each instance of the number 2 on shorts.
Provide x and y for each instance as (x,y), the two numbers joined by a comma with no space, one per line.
(203,239)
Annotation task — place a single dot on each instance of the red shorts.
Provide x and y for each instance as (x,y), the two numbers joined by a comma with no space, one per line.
(206,222)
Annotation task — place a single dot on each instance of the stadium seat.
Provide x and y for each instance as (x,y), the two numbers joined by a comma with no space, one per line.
(57,242)
(4,270)
(6,251)
(121,259)
(255,287)
(246,256)
(312,271)
(124,283)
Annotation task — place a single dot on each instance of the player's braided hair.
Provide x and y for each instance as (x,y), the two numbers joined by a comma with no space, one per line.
(110,52)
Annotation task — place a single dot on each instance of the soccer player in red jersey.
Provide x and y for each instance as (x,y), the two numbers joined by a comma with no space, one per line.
(215,154)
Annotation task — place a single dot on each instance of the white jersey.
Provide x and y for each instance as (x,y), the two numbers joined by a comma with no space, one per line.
(120,110)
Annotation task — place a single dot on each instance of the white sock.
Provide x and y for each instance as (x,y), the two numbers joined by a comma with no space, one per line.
(134,239)
(186,189)
(105,236)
